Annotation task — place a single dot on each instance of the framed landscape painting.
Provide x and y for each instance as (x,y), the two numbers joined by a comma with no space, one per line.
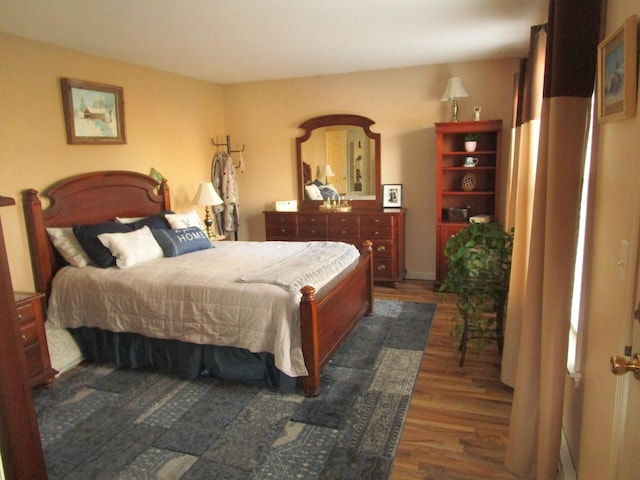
(617,76)
(93,112)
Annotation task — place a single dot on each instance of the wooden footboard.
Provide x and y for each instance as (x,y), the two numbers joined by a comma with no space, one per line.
(327,322)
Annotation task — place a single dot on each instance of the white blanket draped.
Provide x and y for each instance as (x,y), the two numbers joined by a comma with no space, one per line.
(220,296)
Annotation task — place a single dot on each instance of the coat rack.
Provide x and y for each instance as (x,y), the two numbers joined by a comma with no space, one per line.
(228,146)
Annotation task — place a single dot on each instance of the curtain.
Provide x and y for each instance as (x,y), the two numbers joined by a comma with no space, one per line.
(546,201)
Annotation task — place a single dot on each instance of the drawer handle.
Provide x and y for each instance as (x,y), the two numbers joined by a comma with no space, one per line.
(313,231)
(343,220)
(312,220)
(283,230)
(381,268)
(24,338)
(381,248)
(376,233)
(20,317)
(343,232)
(376,220)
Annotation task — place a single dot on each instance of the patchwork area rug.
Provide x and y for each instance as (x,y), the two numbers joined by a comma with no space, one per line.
(107,423)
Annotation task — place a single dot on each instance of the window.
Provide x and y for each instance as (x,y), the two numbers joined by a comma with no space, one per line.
(576,330)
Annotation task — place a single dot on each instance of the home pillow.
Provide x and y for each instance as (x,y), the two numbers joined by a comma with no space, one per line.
(87,235)
(67,245)
(131,247)
(183,240)
(184,220)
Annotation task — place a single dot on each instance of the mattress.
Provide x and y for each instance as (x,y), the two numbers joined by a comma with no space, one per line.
(241,294)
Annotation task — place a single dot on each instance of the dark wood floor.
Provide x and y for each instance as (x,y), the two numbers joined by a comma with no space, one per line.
(458,421)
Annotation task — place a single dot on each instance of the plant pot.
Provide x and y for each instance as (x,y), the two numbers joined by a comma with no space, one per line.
(470,146)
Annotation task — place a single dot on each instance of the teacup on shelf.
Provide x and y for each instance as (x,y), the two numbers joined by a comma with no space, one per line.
(470,162)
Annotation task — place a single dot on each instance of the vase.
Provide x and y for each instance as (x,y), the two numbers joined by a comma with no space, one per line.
(469,182)
(470,146)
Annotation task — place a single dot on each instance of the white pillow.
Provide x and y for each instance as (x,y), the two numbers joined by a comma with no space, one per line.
(131,247)
(313,192)
(184,220)
(127,220)
(68,246)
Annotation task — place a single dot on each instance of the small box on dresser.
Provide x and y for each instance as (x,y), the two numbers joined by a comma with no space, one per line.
(34,340)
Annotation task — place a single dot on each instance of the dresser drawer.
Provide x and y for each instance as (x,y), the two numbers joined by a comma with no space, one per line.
(340,233)
(34,360)
(373,232)
(383,267)
(26,314)
(376,220)
(383,248)
(282,219)
(313,232)
(313,227)
(29,333)
(339,220)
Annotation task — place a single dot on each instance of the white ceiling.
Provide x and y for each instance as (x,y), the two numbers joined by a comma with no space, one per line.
(231,41)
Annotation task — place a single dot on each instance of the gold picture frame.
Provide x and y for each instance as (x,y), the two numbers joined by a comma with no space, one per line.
(93,112)
(617,75)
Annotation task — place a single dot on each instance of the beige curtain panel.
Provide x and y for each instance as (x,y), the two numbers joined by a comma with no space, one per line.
(555,101)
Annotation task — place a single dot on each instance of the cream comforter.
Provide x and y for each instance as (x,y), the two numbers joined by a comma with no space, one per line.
(242,294)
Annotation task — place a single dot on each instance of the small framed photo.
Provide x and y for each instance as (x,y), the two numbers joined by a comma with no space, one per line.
(93,112)
(617,75)
(392,196)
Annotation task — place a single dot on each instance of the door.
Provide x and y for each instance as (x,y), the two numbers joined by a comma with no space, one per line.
(337,158)
(628,405)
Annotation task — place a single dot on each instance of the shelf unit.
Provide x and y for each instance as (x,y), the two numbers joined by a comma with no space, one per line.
(450,171)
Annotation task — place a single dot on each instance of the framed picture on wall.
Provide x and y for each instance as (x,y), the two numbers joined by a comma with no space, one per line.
(392,196)
(93,112)
(617,75)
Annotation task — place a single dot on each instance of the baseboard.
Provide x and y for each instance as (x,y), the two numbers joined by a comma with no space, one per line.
(420,275)
(566,469)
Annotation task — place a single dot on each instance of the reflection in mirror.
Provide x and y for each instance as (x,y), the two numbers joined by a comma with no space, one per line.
(338,156)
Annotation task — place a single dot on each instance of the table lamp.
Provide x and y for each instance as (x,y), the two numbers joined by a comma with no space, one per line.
(206,195)
(454,91)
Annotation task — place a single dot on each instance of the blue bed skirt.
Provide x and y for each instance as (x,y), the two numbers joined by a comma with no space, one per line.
(188,360)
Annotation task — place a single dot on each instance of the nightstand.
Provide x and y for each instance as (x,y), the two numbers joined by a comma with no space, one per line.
(34,340)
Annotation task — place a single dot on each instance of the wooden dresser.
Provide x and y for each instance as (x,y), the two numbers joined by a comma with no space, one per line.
(385,228)
(34,340)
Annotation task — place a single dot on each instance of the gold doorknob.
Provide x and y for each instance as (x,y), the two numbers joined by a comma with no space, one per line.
(620,365)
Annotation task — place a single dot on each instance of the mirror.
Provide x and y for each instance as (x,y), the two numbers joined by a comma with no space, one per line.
(342,152)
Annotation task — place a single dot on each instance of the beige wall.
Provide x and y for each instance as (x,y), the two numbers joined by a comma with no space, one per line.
(591,419)
(170,120)
(404,103)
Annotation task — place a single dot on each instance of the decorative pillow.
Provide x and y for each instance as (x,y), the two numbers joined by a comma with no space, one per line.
(184,240)
(312,192)
(87,236)
(128,220)
(67,245)
(329,192)
(152,221)
(131,247)
(184,220)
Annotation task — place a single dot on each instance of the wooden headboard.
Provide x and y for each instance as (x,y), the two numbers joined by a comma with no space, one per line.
(87,198)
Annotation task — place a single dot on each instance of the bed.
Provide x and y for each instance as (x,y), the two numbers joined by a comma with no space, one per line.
(326,315)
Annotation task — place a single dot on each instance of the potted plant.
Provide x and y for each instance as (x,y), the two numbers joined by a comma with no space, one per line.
(479,265)
(470,142)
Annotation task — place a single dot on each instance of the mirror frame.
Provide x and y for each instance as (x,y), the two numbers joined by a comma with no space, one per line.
(340,119)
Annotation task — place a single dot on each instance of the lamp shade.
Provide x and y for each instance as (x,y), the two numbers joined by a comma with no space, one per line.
(454,89)
(206,195)
(328,172)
